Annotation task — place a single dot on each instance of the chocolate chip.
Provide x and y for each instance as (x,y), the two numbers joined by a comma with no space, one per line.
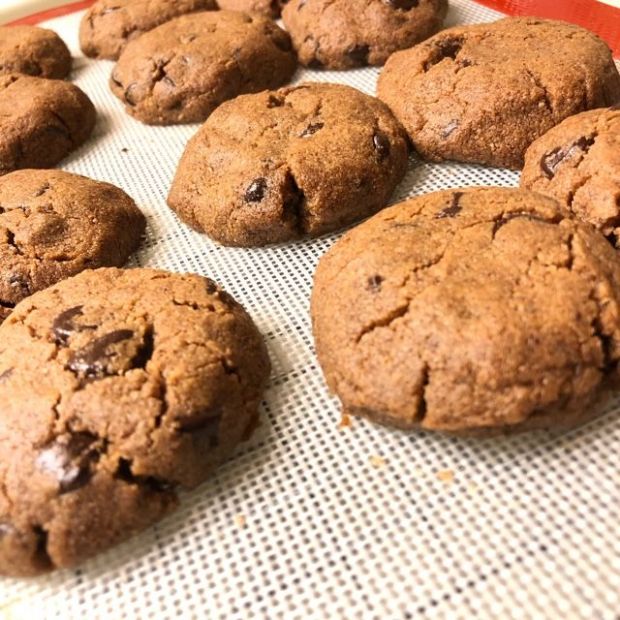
(69,460)
(90,361)
(551,160)
(256,190)
(274,102)
(454,209)
(374,283)
(4,376)
(311,129)
(358,54)
(124,472)
(293,200)
(17,280)
(64,325)
(204,425)
(382,145)
(403,5)
(315,63)
(449,128)
(44,188)
(211,287)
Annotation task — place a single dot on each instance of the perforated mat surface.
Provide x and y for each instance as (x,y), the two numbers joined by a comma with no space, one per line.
(312,521)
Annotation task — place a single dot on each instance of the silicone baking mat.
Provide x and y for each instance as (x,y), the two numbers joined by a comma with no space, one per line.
(312,521)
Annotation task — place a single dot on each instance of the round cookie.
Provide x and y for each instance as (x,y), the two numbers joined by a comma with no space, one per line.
(578,163)
(470,311)
(54,224)
(484,93)
(33,51)
(41,121)
(280,165)
(342,34)
(270,8)
(109,25)
(181,71)
(117,387)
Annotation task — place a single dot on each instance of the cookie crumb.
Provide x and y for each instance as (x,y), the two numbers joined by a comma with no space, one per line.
(345,421)
(446,476)
(240,521)
(377,461)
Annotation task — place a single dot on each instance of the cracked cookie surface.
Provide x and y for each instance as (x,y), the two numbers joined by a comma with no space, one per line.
(484,93)
(116,387)
(465,311)
(343,34)
(41,121)
(33,51)
(54,224)
(269,8)
(181,71)
(578,163)
(109,25)
(280,165)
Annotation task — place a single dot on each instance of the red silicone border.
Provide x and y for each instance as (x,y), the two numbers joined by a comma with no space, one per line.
(58,11)
(596,16)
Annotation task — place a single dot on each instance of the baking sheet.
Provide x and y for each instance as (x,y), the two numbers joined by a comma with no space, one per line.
(312,521)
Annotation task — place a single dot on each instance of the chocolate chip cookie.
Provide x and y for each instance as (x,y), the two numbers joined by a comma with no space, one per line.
(41,121)
(181,71)
(484,93)
(283,164)
(342,34)
(54,224)
(270,8)
(578,163)
(33,51)
(116,388)
(473,311)
(109,25)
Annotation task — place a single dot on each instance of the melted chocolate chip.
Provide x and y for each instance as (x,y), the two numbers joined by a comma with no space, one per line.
(311,129)
(157,485)
(315,63)
(403,5)
(454,209)
(64,325)
(69,460)
(4,376)
(274,102)
(293,201)
(382,145)
(211,287)
(90,361)
(358,54)
(551,160)
(374,283)
(256,190)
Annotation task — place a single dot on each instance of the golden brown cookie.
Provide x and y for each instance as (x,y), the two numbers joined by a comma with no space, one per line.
(54,224)
(33,51)
(484,93)
(41,121)
(280,165)
(181,71)
(117,387)
(342,34)
(470,310)
(578,163)
(109,25)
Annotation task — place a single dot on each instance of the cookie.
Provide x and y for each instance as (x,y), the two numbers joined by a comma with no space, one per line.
(484,93)
(109,25)
(181,71)
(54,224)
(41,121)
(270,8)
(280,165)
(342,34)
(117,387)
(33,51)
(578,163)
(470,311)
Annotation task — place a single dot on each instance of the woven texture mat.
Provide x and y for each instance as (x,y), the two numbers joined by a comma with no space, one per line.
(311,521)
